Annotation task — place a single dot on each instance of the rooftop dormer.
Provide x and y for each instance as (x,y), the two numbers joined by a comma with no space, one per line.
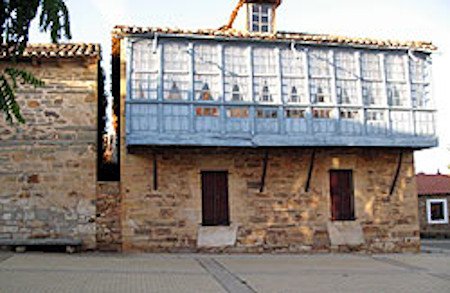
(261,15)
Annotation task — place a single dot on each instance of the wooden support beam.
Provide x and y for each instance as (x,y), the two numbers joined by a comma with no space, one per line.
(263,177)
(311,167)
(155,172)
(397,173)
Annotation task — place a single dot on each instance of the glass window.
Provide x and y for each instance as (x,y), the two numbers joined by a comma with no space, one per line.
(176,86)
(206,59)
(266,113)
(437,211)
(293,90)
(236,93)
(345,65)
(370,66)
(322,113)
(420,95)
(236,60)
(397,95)
(319,63)
(395,67)
(176,57)
(292,63)
(349,114)
(260,18)
(320,91)
(295,113)
(346,91)
(207,85)
(373,93)
(264,61)
(419,70)
(265,89)
(375,115)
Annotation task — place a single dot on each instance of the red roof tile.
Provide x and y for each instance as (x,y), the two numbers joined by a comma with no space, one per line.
(303,38)
(63,50)
(432,184)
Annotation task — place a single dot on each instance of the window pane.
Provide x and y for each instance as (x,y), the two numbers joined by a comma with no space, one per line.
(370,64)
(395,67)
(176,57)
(319,63)
(264,61)
(437,211)
(345,65)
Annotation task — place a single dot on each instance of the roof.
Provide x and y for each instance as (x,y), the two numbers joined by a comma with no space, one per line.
(305,38)
(432,184)
(63,50)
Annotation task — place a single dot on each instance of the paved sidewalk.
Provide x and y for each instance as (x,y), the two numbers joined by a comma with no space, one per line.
(45,272)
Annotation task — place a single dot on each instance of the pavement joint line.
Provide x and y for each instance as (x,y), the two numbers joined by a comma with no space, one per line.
(445,277)
(101,271)
(398,263)
(229,281)
(412,268)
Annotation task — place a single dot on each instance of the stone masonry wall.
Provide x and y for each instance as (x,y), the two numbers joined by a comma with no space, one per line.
(108,222)
(283,218)
(432,230)
(48,165)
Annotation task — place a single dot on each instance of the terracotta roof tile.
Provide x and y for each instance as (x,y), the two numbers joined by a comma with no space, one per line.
(432,184)
(64,50)
(120,31)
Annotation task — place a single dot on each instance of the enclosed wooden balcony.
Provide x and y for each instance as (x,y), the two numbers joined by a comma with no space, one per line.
(207,93)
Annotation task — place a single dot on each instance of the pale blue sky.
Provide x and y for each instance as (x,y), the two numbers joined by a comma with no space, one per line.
(92,21)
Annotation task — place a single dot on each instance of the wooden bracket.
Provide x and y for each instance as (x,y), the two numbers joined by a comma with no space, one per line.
(397,173)
(311,167)
(155,172)
(263,177)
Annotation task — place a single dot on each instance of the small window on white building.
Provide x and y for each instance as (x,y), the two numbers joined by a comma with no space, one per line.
(260,20)
(437,211)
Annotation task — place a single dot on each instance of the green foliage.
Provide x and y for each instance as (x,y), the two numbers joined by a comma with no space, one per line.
(15,20)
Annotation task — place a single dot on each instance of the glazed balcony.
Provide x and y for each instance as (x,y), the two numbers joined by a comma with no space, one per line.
(206,93)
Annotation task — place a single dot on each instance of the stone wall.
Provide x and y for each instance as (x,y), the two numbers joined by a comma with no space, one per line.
(282,218)
(48,165)
(432,230)
(108,223)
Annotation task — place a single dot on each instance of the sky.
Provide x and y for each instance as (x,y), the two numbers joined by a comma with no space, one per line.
(93,20)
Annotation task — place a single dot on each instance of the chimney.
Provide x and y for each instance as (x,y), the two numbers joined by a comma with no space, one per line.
(261,15)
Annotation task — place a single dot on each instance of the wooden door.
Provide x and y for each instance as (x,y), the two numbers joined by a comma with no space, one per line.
(342,199)
(215,198)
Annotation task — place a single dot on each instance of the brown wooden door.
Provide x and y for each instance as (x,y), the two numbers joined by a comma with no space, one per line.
(341,190)
(215,198)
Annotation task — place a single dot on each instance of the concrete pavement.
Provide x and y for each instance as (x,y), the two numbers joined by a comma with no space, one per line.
(92,272)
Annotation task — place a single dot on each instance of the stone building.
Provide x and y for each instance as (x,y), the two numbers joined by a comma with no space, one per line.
(48,164)
(254,140)
(434,196)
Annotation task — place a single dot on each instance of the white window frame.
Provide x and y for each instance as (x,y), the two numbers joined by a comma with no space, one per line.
(443,201)
(259,15)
